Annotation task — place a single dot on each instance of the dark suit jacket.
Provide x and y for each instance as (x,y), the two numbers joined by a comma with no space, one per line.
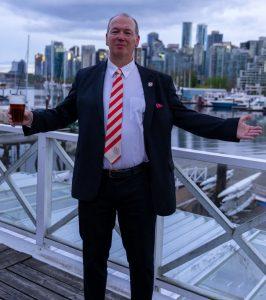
(85,104)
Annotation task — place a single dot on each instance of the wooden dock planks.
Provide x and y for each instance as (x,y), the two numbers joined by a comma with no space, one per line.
(24,278)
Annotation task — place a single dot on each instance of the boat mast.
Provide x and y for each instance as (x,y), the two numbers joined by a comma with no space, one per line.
(52,62)
(27,67)
(65,68)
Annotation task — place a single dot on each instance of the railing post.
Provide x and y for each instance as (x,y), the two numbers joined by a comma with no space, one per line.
(158,250)
(44,187)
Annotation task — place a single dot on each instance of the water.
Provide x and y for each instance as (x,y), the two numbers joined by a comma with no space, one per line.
(180,138)
(255,148)
(36,97)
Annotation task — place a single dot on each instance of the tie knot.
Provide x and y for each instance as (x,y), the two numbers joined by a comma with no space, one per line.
(118,72)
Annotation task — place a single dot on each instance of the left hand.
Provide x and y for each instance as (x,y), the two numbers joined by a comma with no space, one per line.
(245,131)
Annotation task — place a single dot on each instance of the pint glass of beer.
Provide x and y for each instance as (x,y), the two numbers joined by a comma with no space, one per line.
(17,108)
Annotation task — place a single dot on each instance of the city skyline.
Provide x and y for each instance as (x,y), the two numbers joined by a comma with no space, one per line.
(46,21)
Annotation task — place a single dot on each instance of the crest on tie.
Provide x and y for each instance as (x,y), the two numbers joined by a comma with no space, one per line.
(116,150)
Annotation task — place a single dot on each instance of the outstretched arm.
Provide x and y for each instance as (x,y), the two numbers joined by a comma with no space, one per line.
(231,129)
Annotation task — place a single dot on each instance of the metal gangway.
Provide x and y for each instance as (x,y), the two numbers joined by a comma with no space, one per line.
(196,257)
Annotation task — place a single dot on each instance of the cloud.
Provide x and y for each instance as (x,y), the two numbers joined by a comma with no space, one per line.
(95,14)
(84,21)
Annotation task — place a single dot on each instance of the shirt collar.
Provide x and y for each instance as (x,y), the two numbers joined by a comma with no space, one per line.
(111,68)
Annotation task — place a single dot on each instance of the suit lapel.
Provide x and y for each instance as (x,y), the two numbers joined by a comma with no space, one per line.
(148,83)
(99,77)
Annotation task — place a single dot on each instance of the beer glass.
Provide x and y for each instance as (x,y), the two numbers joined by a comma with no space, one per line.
(17,108)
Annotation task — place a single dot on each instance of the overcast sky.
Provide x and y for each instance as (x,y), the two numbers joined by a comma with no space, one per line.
(81,22)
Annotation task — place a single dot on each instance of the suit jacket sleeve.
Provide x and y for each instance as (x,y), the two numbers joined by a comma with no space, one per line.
(59,117)
(200,124)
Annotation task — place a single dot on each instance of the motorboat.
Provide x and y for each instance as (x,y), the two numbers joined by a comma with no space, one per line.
(223,103)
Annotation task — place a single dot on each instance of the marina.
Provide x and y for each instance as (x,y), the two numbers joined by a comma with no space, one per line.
(221,99)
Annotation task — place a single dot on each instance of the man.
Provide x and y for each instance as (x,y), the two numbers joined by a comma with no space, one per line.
(123,159)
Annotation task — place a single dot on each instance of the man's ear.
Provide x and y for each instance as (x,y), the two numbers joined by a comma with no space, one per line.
(106,41)
(137,41)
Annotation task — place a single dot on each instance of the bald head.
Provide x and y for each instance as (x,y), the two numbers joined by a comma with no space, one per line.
(127,16)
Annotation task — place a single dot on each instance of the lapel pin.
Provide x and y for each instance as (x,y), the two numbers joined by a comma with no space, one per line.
(150,84)
(159,105)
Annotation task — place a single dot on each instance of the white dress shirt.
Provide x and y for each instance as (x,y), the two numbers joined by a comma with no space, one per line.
(132,144)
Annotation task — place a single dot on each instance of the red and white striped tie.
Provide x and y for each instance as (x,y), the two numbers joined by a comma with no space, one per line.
(112,149)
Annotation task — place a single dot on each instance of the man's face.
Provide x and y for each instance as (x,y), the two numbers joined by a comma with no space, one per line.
(122,38)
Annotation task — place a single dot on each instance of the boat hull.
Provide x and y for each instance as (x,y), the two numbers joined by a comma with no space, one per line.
(225,105)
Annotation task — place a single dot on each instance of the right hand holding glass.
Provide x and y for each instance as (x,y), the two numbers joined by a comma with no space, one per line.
(26,120)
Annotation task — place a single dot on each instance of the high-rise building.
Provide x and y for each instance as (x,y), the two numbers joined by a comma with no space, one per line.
(22,67)
(39,64)
(68,66)
(238,62)
(261,45)
(198,60)
(76,64)
(75,61)
(214,38)
(157,60)
(75,50)
(101,55)
(219,60)
(251,46)
(14,67)
(151,38)
(137,55)
(47,61)
(88,55)
(144,54)
(253,78)
(184,67)
(201,36)
(187,35)
(171,54)
(57,61)
(18,68)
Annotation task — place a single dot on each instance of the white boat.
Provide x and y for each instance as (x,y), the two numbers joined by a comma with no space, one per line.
(237,195)
(210,183)
(210,97)
(239,186)
(208,186)
(232,100)
(241,207)
(257,103)
(229,174)
(223,103)
(260,198)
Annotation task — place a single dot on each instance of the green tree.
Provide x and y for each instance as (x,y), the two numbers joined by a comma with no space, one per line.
(194,80)
(217,82)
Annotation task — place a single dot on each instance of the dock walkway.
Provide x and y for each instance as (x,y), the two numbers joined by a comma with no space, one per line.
(23,278)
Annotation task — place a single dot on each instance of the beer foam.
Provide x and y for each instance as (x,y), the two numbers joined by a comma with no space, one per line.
(16,99)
